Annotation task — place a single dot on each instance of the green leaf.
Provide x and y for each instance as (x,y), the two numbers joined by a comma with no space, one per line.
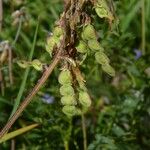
(13,134)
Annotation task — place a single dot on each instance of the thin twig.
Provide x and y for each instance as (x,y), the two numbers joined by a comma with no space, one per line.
(28,99)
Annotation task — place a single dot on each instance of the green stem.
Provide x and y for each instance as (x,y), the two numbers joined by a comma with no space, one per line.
(143,27)
(66,145)
(18,31)
(67,136)
(84,132)
(23,83)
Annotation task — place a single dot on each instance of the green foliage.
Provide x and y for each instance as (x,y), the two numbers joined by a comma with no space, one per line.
(118,118)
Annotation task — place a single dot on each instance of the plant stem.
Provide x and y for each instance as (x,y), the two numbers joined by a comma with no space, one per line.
(10,66)
(84,132)
(2,82)
(66,145)
(18,31)
(28,99)
(143,27)
(21,90)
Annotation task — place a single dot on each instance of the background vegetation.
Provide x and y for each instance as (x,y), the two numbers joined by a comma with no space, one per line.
(119,118)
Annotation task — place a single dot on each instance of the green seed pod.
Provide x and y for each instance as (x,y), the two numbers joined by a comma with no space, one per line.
(108,69)
(88,32)
(101,12)
(49,49)
(79,111)
(51,42)
(101,58)
(68,100)
(69,110)
(81,47)
(58,31)
(82,86)
(66,89)
(23,64)
(65,77)
(37,64)
(84,99)
(94,45)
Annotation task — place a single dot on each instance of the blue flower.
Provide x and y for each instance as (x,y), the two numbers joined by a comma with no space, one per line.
(138,53)
(46,98)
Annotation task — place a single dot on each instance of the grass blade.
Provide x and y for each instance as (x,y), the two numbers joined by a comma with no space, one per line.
(22,87)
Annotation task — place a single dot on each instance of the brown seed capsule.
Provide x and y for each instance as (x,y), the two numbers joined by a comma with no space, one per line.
(94,45)
(101,58)
(68,100)
(84,99)
(66,89)
(89,32)
(81,47)
(65,77)
(108,69)
(69,110)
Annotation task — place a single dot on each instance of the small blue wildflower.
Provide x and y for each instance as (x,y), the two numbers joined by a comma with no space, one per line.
(138,53)
(46,98)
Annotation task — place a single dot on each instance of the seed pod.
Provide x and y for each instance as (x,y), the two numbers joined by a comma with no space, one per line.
(101,58)
(79,111)
(37,64)
(89,32)
(84,99)
(101,12)
(82,86)
(49,49)
(58,31)
(68,100)
(94,45)
(108,69)
(51,41)
(66,89)
(69,110)
(65,77)
(81,47)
